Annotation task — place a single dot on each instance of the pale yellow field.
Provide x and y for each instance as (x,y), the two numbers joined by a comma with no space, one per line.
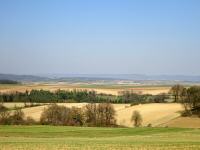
(19,104)
(114,90)
(154,114)
(184,122)
(158,115)
(12,105)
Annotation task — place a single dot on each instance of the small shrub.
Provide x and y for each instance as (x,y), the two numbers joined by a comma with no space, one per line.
(149,125)
(5,118)
(30,121)
(186,113)
(4,115)
(134,103)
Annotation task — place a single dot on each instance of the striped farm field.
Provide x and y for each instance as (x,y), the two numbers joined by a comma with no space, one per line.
(91,138)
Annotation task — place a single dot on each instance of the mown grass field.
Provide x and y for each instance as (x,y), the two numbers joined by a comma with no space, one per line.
(89,138)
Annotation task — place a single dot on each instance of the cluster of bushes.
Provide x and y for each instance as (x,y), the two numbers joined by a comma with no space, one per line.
(42,96)
(15,117)
(91,115)
(189,97)
(61,115)
(102,114)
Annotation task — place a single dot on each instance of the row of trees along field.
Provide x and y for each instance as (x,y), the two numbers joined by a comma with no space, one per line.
(43,96)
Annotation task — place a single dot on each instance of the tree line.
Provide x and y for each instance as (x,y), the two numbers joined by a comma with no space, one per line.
(78,96)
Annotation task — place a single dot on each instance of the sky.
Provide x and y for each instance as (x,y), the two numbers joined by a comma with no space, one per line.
(100,37)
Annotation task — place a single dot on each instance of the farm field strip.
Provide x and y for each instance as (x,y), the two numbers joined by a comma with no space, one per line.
(89,138)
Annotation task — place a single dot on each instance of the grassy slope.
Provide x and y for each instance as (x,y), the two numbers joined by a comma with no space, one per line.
(50,137)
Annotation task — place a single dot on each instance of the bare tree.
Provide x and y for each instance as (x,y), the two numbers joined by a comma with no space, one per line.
(136,118)
(106,114)
(4,115)
(18,117)
(102,114)
(176,91)
(76,117)
(91,114)
(55,115)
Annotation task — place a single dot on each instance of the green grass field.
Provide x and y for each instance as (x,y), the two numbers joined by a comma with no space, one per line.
(52,137)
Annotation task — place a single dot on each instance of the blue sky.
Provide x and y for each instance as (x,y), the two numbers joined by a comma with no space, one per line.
(100,37)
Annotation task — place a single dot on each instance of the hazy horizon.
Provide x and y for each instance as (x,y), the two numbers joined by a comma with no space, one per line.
(100,37)
(58,75)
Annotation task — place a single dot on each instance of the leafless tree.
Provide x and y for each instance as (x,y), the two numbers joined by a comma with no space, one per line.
(136,118)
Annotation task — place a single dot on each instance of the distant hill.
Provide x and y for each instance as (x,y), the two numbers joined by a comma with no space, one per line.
(132,77)
(22,78)
(102,77)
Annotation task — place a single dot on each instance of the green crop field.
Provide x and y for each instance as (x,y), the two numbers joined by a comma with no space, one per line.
(54,137)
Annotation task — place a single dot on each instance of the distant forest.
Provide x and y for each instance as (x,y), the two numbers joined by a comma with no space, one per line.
(43,96)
